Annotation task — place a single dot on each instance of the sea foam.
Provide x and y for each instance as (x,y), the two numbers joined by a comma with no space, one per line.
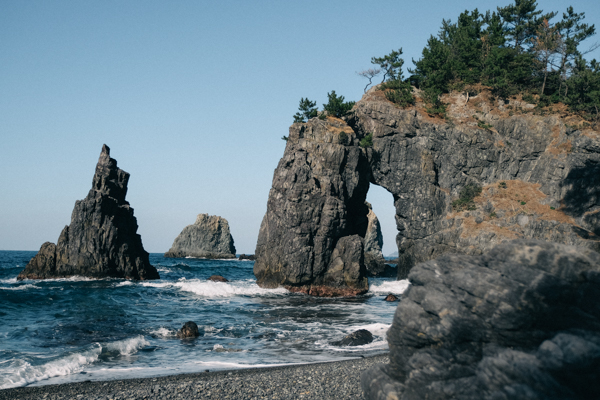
(386,287)
(212,289)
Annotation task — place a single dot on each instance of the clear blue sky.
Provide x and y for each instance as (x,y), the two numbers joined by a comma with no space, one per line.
(192,97)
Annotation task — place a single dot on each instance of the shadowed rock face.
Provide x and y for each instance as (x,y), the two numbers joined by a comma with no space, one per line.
(102,239)
(522,321)
(208,237)
(548,168)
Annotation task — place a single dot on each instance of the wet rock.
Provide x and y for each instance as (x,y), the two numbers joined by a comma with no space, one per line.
(520,321)
(102,239)
(217,278)
(188,330)
(208,237)
(391,297)
(358,338)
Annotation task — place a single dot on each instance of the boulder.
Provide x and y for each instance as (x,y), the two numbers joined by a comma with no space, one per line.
(102,239)
(188,330)
(217,278)
(357,338)
(208,237)
(521,321)
(391,297)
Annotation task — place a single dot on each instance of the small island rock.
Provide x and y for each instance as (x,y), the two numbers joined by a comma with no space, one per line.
(102,239)
(208,237)
(358,338)
(217,278)
(391,297)
(188,330)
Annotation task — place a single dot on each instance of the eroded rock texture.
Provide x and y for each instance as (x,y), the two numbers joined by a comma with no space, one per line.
(102,239)
(522,321)
(208,237)
(540,176)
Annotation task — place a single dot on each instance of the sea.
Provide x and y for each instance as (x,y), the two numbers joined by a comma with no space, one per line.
(80,329)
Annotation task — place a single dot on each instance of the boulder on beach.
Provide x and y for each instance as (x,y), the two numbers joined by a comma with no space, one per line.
(188,330)
(357,338)
(521,321)
(102,239)
(208,237)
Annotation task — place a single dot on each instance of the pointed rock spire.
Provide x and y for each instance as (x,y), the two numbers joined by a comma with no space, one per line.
(102,239)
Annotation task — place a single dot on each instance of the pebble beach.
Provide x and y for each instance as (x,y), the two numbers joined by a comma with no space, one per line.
(330,380)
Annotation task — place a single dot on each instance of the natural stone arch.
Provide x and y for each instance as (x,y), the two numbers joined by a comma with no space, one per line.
(315,222)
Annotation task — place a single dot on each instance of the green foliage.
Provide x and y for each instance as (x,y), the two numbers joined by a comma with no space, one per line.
(336,106)
(433,103)
(466,196)
(307,110)
(285,138)
(515,49)
(391,65)
(502,185)
(367,141)
(399,92)
(481,124)
(523,203)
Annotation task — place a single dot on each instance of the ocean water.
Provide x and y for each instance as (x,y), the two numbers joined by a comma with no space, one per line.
(77,329)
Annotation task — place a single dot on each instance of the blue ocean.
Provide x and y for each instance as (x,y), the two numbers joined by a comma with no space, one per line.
(78,329)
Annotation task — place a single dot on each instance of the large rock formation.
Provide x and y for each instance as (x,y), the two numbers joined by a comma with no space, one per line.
(522,321)
(102,239)
(540,176)
(208,237)
(374,260)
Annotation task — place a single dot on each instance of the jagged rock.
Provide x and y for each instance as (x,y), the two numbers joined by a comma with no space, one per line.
(522,321)
(374,261)
(358,338)
(217,278)
(249,257)
(188,330)
(391,297)
(208,237)
(102,239)
(551,173)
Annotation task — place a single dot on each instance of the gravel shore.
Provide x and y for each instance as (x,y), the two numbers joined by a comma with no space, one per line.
(333,380)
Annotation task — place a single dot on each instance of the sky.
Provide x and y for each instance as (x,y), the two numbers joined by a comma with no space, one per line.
(192,97)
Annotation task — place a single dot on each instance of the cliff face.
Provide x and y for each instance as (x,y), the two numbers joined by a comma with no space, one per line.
(521,321)
(208,237)
(540,176)
(102,239)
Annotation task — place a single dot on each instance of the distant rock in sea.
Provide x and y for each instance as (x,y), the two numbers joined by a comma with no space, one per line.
(374,260)
(519,322)
(102,239)
(208,237)
(248,257)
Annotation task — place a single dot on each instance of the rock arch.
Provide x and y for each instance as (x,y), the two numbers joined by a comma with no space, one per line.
(312,234)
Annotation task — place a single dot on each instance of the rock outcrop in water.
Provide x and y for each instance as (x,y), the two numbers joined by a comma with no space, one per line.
(374,261)
(102,239)
(208,237)
(522,321)
(539,174)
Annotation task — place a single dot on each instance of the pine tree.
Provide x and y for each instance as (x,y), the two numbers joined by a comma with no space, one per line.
(522,19)
(307,110)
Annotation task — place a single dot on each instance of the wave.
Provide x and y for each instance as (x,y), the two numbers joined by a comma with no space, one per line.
(20,287)
(21,372)
(212,289)
(164,333)
(387,287)
(11,280)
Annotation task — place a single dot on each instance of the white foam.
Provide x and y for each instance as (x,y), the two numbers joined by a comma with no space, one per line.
(164,333)
(10,280)
(21,287)
(125,283)
(127,346)
(386,287)
(22,372)
(212,289)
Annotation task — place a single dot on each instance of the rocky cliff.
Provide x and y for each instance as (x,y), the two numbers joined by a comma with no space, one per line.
(519,322)
(373,241)
(208,237)
(102,239)
(539,170)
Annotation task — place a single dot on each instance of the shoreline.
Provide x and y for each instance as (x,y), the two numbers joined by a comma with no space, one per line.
(326,380)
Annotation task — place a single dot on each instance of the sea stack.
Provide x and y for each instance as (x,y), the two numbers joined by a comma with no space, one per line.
(208,237)
(102,239)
